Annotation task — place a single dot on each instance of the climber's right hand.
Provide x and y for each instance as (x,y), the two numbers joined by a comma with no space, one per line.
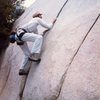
(45,31)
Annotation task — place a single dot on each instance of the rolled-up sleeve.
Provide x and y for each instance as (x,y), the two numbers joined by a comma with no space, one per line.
(45,24)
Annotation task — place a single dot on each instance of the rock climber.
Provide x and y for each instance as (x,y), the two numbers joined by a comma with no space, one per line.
(29,33)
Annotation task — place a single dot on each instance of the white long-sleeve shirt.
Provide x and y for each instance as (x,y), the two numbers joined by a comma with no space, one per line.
(31,26)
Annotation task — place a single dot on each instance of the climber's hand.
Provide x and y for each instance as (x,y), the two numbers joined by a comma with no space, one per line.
(44,32)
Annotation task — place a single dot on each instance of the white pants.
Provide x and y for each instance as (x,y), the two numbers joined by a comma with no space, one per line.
(37,45)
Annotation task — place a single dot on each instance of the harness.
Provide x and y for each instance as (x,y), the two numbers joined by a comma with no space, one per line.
(20,37)
(21,34)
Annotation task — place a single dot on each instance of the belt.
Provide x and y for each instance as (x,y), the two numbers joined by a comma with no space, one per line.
(23,29)
(21,34)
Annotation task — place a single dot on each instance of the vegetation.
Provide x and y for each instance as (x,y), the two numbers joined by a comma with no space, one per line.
(10,10)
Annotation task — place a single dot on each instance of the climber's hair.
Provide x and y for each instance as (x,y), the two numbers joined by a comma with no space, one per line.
(37,14)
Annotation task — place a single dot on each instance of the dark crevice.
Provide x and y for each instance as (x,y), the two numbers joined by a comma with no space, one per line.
(4,43)
(23,83)
(65,74)
(1,57)
(9,70)
(61,9)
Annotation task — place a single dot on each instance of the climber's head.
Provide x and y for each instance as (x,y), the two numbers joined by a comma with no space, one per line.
(37,14)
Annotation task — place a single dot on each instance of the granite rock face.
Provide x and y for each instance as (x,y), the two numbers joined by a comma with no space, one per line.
(69,69)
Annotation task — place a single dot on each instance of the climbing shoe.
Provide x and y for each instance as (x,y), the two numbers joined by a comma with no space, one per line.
(22,72)
(35,60)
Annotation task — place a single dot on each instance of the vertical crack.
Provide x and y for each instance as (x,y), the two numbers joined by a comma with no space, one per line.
(61,9)
(65,74)
(22,87)
(23,83)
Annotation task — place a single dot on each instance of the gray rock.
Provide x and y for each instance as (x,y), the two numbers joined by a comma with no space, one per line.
(69,69)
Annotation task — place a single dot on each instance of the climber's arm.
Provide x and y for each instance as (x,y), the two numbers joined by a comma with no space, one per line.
(45,24)
(48,29)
